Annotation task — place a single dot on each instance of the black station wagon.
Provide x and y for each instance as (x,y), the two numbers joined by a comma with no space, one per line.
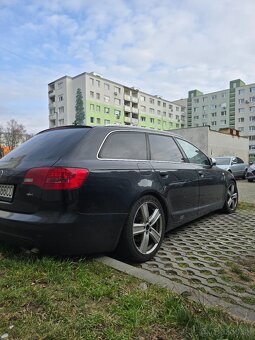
(77,190)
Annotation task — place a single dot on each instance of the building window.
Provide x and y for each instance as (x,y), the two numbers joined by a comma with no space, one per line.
(241,120)
(252,99)
(241,101)
(241,129)
(92,107)
(204,107)
(142,98)
(60,98)
(196,117)
(117,101)
(116,90)
(61,109)
(91,94)
(151,100)
(159,112)
(204,116)
(214,123)
(117,113)
(159,121)
(143,119)
(213,106)
(196,100)
(241,110)
(164,104)
(164,113)
(223,113)
(97,108)
(106,99)
(61,122)
(223,122)
(177,108)
(152,120)
(204,99)
(91,81)
(98,96)
(106,110)
(214,114)
(223,95)
(252,118)
(98,121)
(159,102)
(252,89)
(143,108)
(91,119)
(106,122)
(223,105)
(252,128)
(98,83)
(214,96)
(252,109)
(241,91)
(151,110)
(170,107)
(60,85)
(106,86)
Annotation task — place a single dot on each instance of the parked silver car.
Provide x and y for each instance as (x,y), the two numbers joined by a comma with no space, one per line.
(233,164)
(251,173)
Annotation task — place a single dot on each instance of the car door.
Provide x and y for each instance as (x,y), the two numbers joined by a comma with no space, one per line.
(238,166)
(179,179)
(211,179)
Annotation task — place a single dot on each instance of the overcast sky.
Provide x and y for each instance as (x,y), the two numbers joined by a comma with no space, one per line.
(165,47)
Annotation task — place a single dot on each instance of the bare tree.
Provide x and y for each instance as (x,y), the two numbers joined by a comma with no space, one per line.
(13,134)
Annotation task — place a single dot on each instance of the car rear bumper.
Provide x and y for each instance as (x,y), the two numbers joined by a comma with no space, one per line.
(64,234)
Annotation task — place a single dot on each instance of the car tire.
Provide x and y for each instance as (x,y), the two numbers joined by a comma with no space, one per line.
(144,230)
(250,180)
(244,175)
(231,200)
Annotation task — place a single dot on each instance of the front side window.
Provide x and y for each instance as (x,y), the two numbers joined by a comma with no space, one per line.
(164,148)
(194,155)
(124,145)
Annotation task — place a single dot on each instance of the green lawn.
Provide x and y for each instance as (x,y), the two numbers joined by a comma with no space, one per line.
(47,298)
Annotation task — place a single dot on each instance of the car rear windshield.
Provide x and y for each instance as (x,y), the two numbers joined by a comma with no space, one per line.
(222,161)
(49,145)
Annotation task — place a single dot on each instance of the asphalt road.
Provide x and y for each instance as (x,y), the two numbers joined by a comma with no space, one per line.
(246,191)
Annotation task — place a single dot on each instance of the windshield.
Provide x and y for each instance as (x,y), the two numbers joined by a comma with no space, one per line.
(223,161)
(49,145)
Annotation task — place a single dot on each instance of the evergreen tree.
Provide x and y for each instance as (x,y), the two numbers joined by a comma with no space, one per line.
(79,109)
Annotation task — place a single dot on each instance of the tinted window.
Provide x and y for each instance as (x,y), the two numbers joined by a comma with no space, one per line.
(239,160)
(193,154)
(164,148)
(47,145)
(124,145)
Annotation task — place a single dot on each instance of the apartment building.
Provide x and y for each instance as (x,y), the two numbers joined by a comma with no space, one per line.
(233,107)
(108,102)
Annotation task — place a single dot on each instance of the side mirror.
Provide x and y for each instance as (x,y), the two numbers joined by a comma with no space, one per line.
(213,161)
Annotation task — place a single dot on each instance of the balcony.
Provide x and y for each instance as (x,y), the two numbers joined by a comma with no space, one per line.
(134,99)
(127,108)
(52,105)
(127,97)
(51,93)
(127,119)
(52,116)
(134,121)
(134,110)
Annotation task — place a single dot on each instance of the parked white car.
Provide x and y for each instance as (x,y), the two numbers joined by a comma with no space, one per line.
(251,173)
(233,164)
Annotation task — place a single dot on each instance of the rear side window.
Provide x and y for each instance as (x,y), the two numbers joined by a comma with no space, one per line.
(48,145)
(164,148)
(193,154)
(124,145)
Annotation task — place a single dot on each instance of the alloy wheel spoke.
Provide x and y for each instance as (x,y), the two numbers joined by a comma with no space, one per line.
(155,235)
(145,212)
(154,217)
(138,228)
(229,201)
(234,196)
(145,243)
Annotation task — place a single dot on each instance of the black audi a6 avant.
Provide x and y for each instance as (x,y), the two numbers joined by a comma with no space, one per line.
(80,190)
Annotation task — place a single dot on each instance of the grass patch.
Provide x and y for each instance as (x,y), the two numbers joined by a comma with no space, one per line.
(47,298)
(245,206)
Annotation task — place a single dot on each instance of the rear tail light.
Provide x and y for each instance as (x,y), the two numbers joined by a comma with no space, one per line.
(56,178)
